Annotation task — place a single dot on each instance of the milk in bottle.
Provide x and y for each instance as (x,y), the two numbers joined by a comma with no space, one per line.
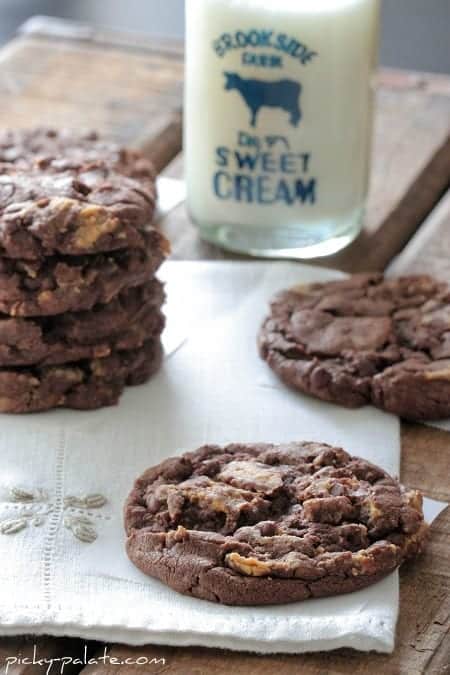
(278,121)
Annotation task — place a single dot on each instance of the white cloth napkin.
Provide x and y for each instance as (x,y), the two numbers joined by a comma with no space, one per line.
(64,476)
(171,193)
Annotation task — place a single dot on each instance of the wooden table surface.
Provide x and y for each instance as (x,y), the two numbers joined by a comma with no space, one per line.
(69,75)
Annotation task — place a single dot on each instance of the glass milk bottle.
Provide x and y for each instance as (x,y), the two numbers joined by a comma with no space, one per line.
(278,122)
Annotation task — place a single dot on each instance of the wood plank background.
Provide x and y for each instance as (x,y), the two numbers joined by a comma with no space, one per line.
(132,89)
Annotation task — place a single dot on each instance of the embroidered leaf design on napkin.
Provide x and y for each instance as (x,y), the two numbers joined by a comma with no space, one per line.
(18,494)
(26,515)
(81,527)
(94,501)
(13,525)
(37,521)
(30,513)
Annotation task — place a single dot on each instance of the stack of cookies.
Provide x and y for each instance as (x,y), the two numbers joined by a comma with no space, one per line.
(80,305)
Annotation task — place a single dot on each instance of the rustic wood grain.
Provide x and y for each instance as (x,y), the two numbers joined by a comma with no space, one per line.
(373,251)
(54,28)
(164,146)
(410,167)
(132,88)
(429,251)
(123,93)
(412,124)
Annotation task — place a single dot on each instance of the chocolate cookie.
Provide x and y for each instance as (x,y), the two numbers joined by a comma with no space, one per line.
(73,283)
(84,385)
(125,323)
(63,149)
(89,208)
(264,524)
(365,340)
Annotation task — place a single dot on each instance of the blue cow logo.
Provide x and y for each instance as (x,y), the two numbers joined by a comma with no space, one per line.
(284,94)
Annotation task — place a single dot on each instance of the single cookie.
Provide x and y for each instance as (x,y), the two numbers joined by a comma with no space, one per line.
(364,340)
(63,149)
(74,283)
(263,524)
(125,323)
(87,209)
(84,385)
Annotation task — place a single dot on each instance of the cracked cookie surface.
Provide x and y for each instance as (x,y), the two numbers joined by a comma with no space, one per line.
(365,339)
(62,149)
(84,200)
(74,283)
(259,524)
(126,322)
(84,385)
